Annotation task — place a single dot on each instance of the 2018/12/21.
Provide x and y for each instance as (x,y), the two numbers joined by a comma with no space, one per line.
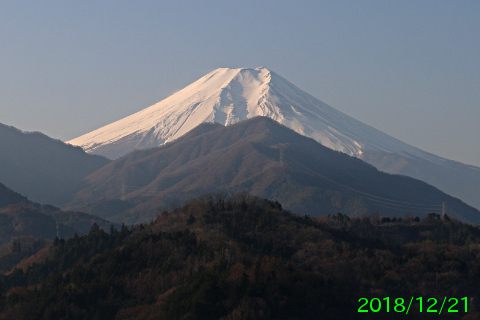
(375,305)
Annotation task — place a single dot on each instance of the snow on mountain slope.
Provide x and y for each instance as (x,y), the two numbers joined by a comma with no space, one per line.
(227,96)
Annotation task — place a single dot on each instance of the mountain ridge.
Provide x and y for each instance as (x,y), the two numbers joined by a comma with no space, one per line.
(26,227)
(228,96)
(45,170)
(261,157)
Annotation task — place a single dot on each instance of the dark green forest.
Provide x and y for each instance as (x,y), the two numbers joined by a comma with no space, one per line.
(243,257)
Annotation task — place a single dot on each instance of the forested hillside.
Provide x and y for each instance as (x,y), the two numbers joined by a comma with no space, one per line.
(261,157)
(8,197)
(243,257)
(26,227)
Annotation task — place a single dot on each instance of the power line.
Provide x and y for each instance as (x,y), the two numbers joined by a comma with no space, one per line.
(399,204)
(281,157)
(381,201)
(415,210)
(456,215)
(366,196)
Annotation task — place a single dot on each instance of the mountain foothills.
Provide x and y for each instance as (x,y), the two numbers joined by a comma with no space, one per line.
(26,227)
(43,169)
(9,197)
(261,157)
(205,243)
(241,257)
(227,96)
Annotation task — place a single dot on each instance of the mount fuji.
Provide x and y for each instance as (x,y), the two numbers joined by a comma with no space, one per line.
(227,96)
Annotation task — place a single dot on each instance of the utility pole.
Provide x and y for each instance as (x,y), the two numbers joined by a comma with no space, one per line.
(281,156)
(443,209)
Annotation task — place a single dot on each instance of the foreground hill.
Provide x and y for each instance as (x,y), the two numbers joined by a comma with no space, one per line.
(242,257)
(227,96)
(261,157)
(43,169)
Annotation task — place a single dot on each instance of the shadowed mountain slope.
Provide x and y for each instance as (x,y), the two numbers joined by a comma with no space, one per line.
(43,169)
(453,177)
(22,217)
(26,227)
(227,96)
(9,197)
(261,157)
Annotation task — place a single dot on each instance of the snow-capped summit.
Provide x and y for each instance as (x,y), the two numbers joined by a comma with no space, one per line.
(227,96)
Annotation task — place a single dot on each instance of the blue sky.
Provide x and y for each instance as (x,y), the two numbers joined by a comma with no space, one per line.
(408,68)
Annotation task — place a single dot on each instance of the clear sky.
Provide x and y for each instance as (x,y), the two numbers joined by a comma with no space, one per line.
(408,68)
